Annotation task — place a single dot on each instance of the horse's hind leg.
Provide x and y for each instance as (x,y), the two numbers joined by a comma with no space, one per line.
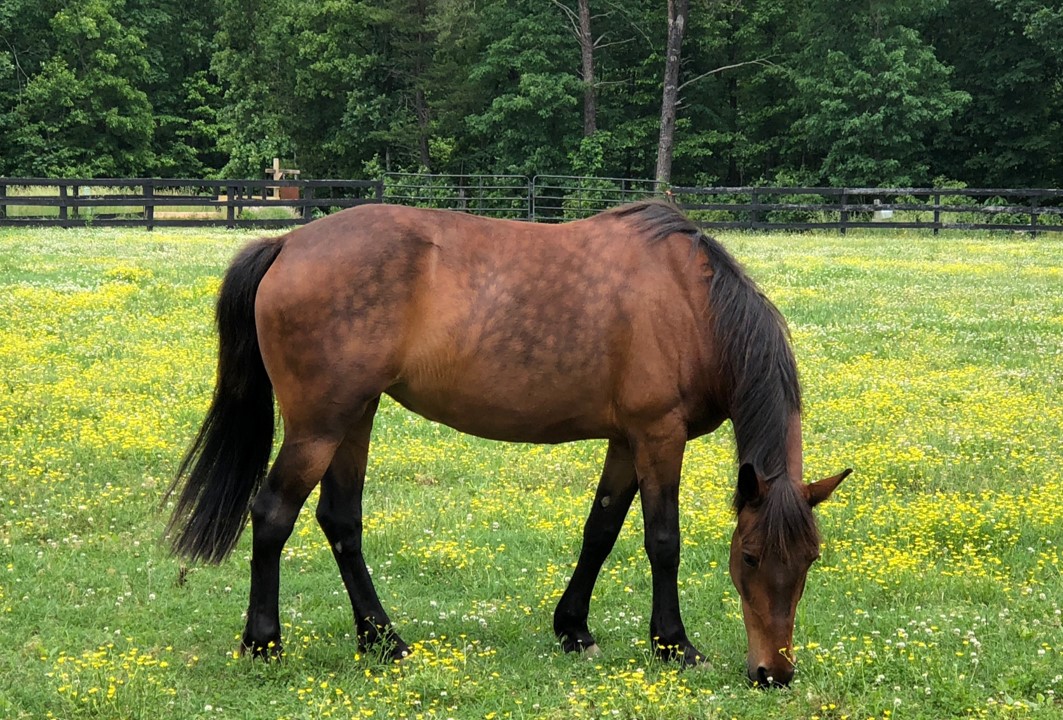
(611,502)
(299,466)
(339,513)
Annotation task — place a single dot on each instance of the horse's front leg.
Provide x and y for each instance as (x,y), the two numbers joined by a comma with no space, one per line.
(615,492)
(658,461)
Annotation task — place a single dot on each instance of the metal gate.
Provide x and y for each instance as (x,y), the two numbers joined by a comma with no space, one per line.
(543,198)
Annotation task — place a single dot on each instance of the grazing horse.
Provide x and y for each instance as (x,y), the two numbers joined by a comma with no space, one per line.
(630,326)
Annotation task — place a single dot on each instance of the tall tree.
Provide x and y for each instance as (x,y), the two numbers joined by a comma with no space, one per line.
(83,113)
(253,68)
(1008,56)
(869,95)
(26,41)
(527,123)
(185,97)
(580,18)
(677,18)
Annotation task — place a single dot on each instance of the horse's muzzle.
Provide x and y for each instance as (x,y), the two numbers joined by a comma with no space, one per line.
(765,677)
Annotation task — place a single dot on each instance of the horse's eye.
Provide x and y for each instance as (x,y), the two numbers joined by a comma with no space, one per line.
(749,560)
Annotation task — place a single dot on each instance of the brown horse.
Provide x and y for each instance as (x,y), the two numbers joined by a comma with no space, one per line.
(631,326)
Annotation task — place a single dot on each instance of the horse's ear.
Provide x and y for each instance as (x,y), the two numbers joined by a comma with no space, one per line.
(748,491)
(819,491)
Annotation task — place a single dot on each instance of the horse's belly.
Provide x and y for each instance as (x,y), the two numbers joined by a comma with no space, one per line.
(489,411)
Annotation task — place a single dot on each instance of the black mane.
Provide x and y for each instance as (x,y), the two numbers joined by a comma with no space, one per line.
(753,345)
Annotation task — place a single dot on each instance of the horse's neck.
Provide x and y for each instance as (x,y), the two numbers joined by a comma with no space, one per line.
(789,446)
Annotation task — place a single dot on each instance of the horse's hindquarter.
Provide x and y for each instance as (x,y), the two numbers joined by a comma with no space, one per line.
(506,330)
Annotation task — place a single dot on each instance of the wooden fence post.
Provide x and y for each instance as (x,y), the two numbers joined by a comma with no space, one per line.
(230,208)
(305,197)
(149,204)
(3,204)
(844,215)
(754,199)
(63,216)
(937,213)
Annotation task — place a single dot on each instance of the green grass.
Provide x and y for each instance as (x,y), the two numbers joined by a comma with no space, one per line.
(933,366)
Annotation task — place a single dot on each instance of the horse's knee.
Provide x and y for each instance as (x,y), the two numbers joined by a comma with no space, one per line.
(662,548)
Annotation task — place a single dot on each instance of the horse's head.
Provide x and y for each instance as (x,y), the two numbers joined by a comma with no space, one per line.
(774,545)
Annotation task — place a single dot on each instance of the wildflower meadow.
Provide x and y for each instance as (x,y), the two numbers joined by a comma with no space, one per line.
(933,366)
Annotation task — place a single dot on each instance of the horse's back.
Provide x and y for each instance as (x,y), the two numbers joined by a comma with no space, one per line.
(503,329)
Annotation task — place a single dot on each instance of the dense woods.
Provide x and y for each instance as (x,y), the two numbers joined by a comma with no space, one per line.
(818,92)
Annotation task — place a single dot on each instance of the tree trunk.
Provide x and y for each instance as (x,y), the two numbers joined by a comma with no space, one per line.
(420,108)
(677,17)
(586,46)
(421,62)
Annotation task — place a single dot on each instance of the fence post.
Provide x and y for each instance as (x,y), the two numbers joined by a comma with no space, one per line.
(937,213)
(844,215)
(63,216)
(531,197)
(1033,215)
(754,199)
(305,197)
(230,207)
(3,204)
(378,191)
(149,204)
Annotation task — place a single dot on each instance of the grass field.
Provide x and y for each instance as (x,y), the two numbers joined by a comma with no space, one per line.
(933,366)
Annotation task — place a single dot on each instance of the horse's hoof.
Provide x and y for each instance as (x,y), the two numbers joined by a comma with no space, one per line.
(583,645)
(388,647)
(258,651)
(700,664)
(685,654)
(398,654)
(592,651)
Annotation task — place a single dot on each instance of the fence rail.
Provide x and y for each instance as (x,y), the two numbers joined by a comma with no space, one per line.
(842,209)
(154,202)
(148,202)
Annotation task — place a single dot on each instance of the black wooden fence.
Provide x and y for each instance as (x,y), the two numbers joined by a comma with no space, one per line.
(153,202)
(842,209)
(150,203)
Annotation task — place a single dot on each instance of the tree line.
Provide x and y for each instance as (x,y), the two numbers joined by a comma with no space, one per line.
(722,92)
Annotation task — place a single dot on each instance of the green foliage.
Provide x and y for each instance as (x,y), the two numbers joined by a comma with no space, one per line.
(869,94)
(248,66)
(185,96)
(83,113)
(1009,58)
(889,92)
(533,114)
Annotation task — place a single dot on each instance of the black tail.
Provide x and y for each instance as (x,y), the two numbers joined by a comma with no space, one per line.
(226,463)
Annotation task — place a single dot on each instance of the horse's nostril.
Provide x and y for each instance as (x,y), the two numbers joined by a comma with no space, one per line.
(762,676)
